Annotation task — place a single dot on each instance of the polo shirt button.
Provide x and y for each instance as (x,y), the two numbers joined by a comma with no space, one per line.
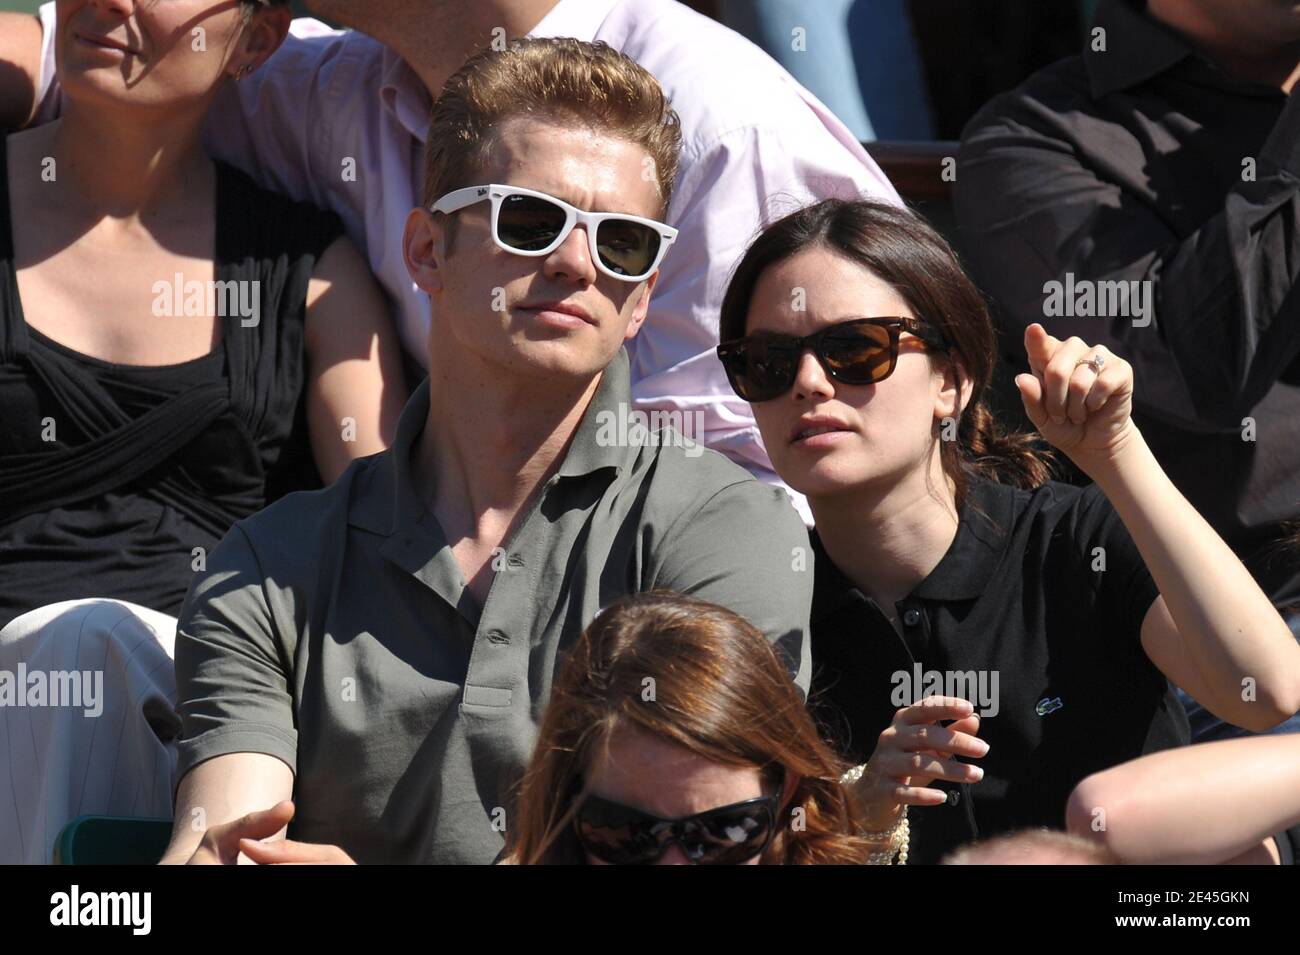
(954,796)
(912,617)
(496,636)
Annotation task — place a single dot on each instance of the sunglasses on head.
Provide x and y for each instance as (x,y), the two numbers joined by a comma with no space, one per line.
(527,222)
(728,835)
(861,351)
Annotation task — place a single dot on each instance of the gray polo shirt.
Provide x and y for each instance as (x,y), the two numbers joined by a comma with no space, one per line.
(334,630)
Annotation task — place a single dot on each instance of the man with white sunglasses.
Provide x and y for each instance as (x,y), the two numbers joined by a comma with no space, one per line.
(380,651)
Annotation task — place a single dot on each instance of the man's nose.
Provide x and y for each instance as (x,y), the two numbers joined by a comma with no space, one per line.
(572,259)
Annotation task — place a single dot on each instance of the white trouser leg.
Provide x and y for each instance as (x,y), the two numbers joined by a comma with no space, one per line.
(87,720)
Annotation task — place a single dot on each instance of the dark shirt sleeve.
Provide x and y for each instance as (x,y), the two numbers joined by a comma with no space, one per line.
(231,672)
(1040,193)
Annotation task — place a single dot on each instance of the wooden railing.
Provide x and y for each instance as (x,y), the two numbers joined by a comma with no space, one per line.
(916,168)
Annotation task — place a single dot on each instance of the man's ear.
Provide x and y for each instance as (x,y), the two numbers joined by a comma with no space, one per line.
(642,308)
(424,249)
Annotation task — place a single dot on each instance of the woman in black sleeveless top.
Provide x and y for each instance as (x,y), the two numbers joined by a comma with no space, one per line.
(176,343)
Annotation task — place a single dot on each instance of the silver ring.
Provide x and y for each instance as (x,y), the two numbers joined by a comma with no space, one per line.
(1096,363)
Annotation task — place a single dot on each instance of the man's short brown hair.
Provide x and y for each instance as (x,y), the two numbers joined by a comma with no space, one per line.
(564,79)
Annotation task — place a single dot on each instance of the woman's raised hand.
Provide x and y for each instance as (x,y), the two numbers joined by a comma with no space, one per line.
(1079,396)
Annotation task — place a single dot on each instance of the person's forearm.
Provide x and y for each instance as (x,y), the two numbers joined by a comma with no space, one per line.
(1193,805)
(219,791)
(20,67)
(1229,629)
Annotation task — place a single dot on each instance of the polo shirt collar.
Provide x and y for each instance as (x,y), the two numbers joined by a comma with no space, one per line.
(965,571)
(1138,47)
(403,95)
(588,452)
(386,498)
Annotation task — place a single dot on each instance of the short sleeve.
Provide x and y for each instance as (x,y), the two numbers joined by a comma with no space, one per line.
(1124,587)
(747,549)
(231,669)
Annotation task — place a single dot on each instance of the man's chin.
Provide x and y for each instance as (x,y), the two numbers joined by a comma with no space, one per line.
(557,359)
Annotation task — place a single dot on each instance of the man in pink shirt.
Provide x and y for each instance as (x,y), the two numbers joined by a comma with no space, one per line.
(340,118)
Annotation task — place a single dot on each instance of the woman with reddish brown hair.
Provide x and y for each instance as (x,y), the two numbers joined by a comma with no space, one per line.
(674,735)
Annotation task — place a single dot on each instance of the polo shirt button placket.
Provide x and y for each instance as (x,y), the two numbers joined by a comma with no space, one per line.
(496,636)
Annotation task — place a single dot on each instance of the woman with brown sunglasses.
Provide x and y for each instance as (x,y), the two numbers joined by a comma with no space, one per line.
(948,564)
(674,735)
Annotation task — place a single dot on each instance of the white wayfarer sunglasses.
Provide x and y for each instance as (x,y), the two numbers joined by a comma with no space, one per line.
(527,222)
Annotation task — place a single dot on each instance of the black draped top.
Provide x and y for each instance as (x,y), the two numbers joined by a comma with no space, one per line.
(118,480)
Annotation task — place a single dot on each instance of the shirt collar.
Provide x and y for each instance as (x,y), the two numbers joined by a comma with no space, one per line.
(402,93)
(580,19)
(587,451)
(966,569)
(386,498)
(1138,47)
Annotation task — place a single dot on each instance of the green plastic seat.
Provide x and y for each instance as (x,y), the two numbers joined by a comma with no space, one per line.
(112,840)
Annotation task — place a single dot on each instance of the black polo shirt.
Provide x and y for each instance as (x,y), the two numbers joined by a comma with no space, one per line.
(1015,598)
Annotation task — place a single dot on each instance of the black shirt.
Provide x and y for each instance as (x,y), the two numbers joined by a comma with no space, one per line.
(146,468)
(1015,598)
(1143,161)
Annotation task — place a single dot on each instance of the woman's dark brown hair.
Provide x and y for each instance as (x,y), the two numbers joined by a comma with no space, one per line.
(697,675)
(900,248)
